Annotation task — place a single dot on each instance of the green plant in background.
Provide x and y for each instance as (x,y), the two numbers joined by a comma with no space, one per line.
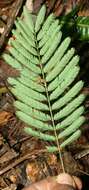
(76,25)
(82,24)
(48,99)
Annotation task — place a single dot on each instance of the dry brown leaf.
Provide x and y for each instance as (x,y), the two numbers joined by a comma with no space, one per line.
(55,6)
(1,140)
(5,117)
(5,3)
(11,187)
(9,155)
(37,5)
(32,171)
(6,70)
(52,159)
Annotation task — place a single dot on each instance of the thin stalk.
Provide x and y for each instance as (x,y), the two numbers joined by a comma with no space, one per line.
(55,133)
(50,109)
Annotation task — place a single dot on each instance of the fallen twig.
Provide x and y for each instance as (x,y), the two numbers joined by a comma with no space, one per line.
(14,12)
(21,159)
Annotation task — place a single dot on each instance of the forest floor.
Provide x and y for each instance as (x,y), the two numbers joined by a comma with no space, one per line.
(22,157)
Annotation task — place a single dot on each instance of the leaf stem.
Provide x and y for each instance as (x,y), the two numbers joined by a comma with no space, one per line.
(50,109)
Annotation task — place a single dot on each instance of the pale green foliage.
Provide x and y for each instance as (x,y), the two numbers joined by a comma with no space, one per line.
(40,18)
(48,100)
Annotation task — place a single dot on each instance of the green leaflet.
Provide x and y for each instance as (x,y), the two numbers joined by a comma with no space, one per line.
(60,65)
(32,84)
(72,128)
(61,77)
(70,107)
(46,26)
(54,26)
(23,34)
(25,62)
(33,122)
(25,28)
(11,61)
(52,49)
(48,99)
(58,55)
(47,45)
(61,88)
(68,141)
(52,148)
(28,91)
(24,43)
(40,18)
(69,95)
(47,23)
(72,138)
(51,29)
(28,19)
(71,118)
(29,101)
(22,50)
(39,135)
(32,112)
(27,73)
(22,56)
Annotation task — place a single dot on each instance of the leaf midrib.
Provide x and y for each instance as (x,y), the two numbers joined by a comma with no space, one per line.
(50,107)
